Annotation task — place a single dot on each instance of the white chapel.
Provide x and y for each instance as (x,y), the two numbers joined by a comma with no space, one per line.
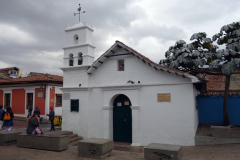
(124,96)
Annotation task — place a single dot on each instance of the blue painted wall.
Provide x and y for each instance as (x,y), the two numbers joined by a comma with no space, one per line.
(210,109)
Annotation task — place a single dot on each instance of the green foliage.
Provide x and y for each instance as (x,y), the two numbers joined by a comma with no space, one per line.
(202,53)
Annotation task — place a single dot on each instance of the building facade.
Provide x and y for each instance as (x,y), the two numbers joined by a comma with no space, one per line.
(123,95)
(42,91)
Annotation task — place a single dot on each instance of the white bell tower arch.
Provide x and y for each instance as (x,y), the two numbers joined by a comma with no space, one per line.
(78,55)
(79,42)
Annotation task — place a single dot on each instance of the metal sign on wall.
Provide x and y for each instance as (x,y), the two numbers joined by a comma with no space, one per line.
(164,97)
(66,96)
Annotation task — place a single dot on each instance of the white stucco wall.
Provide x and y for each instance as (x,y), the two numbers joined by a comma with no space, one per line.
(58,110)
(172,122)
(159,122)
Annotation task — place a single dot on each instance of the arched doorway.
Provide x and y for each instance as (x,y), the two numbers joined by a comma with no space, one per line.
(122,119)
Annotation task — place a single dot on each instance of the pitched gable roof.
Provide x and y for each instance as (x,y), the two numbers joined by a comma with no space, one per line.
(33,79)
(4,75)
(110,52)
(10,68)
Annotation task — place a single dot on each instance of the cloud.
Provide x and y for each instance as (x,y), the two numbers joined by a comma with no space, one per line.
(32,32)
(12,35)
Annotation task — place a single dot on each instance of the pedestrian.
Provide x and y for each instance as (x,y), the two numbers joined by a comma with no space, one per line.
(37,111)
(33,125)
(29,110)
(51,118)
(8,123)
(1,116)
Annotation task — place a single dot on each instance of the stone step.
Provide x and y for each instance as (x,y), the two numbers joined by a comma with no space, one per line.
(205,140)
(72,135)
(74,139)
(59,132)
(75,143)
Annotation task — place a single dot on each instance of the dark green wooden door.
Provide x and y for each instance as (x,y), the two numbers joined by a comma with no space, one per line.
(122,119)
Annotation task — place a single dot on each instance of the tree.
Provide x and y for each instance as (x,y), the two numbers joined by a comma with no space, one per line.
(201,56)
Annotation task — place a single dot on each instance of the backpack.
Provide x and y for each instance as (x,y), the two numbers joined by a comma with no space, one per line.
(6,117)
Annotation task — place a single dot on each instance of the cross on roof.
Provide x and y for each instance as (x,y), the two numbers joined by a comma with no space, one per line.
(79,9)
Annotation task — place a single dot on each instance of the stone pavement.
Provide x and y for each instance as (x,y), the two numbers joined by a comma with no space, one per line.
(122,151)
(216,152)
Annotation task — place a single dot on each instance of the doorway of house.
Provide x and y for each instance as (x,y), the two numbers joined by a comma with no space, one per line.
(7,100)
(122,119)
(29,99)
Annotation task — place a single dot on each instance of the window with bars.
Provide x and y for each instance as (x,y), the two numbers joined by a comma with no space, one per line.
(58,100)
(121,65)
(74,105)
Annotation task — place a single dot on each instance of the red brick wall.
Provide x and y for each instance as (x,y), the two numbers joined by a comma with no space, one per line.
(1,97)
(52,96)
(18,101)
(40,101)
(217,82)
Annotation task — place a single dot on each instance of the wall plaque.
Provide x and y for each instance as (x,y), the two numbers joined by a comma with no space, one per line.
(164,97)
(40,94)
(66,96)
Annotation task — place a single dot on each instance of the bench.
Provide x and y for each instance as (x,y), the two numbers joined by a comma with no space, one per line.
(156,151)
(95,148)
(8,137)
(45,142)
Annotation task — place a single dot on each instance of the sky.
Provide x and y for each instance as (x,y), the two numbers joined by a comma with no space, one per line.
(32,31)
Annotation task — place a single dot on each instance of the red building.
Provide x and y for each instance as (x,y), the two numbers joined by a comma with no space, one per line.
(41,90)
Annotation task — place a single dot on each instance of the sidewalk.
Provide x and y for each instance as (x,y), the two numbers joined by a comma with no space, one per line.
(216,152)
(121,151)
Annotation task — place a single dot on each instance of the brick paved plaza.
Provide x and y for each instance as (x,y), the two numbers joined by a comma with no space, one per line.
(121,151)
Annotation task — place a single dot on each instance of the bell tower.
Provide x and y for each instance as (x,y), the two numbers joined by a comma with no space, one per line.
(79,50)
(78,54)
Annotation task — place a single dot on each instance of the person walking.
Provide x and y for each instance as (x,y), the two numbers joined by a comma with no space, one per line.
(37,111)
(8,123)
(1,116)
(29,110)
(33,125)
(51,118)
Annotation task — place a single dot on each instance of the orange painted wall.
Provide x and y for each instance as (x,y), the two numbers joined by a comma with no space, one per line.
(18,101)
(40,101)
(1,97)
(52,96)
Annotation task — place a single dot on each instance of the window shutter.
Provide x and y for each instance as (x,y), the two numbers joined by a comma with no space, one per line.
(75,105)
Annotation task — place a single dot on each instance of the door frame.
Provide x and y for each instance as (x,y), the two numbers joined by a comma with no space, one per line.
(109,95)
(130,116)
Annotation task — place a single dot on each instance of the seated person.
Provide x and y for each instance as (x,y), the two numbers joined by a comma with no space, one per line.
(33,124)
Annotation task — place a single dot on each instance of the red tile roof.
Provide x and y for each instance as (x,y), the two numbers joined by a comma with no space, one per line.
(41,78)
(141,56)
(147,59)
(221,92)
(5,74)
(10,68)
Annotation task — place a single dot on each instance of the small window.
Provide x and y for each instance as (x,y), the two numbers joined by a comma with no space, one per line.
(80,59)
(58,100)
(121,65)
(74,105)
(71,60)
(75,39)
